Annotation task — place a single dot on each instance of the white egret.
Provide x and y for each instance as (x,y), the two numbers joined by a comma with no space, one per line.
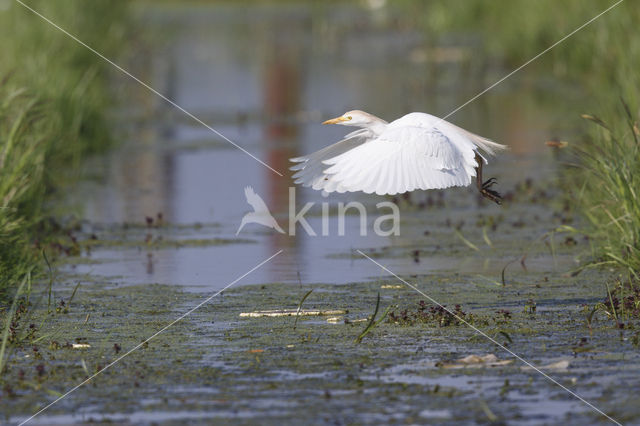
(416,151)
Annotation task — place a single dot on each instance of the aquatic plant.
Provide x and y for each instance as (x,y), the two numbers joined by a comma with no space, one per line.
(11,318)
(430,314)
(621,303)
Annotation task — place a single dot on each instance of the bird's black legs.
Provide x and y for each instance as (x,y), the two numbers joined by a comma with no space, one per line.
(485,187)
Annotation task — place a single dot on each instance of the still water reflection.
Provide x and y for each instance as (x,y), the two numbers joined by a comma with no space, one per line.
(266,77)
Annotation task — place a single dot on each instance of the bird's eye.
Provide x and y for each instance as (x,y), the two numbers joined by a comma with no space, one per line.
(349,117)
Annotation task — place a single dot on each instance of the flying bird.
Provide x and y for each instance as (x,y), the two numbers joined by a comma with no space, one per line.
(416,151)
(260,213)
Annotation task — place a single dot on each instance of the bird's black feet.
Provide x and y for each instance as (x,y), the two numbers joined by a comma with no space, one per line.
(489,193)
(489,183)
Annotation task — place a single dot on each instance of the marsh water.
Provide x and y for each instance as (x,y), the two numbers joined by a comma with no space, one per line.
(266,76)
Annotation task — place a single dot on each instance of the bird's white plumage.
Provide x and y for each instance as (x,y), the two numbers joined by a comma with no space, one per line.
(401,160)
(417,151)
(311,166)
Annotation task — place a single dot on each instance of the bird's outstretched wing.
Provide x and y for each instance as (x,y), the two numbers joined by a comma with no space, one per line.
(401,159)
(309,171)
(255,201)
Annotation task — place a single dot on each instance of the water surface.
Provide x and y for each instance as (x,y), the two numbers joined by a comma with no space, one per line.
(266,76)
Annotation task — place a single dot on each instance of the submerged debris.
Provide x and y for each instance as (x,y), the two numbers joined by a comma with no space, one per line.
(475,361)
(556,366)
(554,143)
(292,312)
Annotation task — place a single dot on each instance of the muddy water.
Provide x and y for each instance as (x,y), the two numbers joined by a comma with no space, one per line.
(266,77)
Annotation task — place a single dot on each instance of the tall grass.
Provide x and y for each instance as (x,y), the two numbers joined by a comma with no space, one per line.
(610,167)
(54,97)
(22,135)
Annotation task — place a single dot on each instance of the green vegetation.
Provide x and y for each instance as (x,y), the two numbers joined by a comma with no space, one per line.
(609,197)
(53,101)
(621,304)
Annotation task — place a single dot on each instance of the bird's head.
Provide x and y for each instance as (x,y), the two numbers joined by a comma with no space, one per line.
(355,118)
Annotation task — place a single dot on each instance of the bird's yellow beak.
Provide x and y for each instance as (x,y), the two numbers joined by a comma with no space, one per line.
(336,120)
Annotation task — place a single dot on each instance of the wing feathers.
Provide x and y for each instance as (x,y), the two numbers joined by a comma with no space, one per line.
(310,170)
(417,151)
(400,161)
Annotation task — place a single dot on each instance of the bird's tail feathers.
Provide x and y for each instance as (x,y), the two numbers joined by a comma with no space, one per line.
(488,146)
